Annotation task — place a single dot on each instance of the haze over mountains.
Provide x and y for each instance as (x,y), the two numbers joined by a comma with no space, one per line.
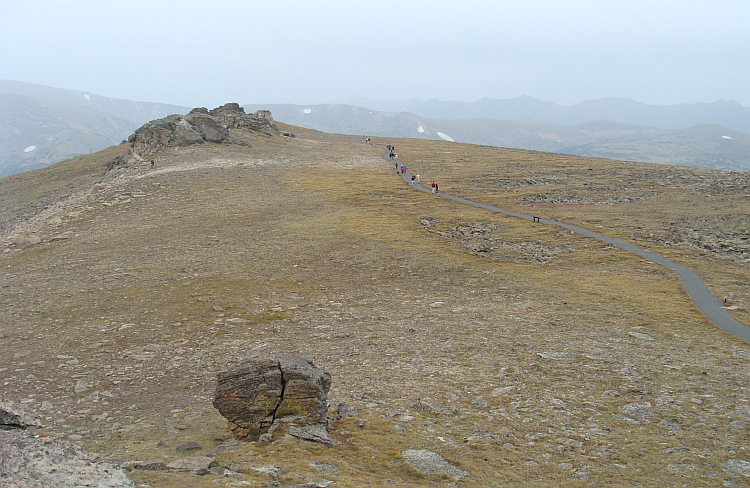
(40,125)
(601,128)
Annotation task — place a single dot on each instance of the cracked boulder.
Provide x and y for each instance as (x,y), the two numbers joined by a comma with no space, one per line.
(270,395)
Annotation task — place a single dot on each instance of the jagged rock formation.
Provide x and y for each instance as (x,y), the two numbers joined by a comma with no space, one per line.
(28,461)
(267,397)
(11,417)
(198,126)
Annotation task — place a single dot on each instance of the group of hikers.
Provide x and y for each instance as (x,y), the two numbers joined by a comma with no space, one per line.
(401,169)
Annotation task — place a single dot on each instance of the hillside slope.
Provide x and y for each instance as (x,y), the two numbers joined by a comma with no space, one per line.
(40,125)
(519,352)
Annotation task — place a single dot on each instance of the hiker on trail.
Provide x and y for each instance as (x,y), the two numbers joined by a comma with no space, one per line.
(417,178)
(412,180)
(403,169)
(433,187)
(436,188)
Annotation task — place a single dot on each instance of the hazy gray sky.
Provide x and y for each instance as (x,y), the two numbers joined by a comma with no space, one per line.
(209,52)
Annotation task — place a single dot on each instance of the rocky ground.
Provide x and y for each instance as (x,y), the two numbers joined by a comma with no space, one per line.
(517,354)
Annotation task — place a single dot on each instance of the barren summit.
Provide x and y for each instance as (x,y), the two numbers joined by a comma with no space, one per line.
(512,353)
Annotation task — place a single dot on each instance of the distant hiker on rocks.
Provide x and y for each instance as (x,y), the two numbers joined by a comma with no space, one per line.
(152,164)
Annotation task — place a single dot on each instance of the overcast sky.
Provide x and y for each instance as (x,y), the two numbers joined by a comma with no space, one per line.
(209,52)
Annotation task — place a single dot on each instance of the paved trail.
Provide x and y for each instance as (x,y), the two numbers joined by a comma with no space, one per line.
(698,291)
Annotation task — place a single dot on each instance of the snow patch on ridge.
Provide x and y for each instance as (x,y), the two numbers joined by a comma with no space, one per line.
(725,137)
(420,129)
(306,110)
(87,96)
(29,149)
(446,137)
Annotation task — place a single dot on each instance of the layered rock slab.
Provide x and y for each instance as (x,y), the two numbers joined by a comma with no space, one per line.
(271,395)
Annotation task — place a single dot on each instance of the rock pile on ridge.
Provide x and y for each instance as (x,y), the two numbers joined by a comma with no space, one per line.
(198,126)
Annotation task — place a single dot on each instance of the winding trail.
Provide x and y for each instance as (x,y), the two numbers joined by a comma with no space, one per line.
(696,288)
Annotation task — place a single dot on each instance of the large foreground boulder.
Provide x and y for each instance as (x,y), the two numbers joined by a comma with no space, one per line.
(272,396)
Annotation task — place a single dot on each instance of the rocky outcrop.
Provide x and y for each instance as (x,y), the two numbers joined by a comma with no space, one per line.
(26,461)
(29,461)
(198,126)
(265,398)
(11,417)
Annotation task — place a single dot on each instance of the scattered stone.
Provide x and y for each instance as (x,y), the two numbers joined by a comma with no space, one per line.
(569,442)
(82,386)
(642,411)
(270,395)
(426,407)
(26,461)
(313,433)
(144,465)
(673,425)
(480,402)
(502,390)
(236,321)
(345,410)
(189,446)
(558,356)
(428,462)
(639,335)
(199,465)
(625,418)
(325,468)
(739,466)
(744,410)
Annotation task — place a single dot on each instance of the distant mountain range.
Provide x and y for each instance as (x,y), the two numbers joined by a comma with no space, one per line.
(40,125)
(727,113)
(706,144)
